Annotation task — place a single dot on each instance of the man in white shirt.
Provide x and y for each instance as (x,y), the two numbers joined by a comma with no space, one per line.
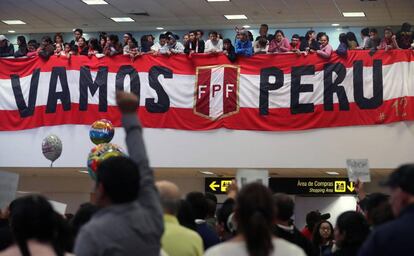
(213,44)
(174,46)
(161,47)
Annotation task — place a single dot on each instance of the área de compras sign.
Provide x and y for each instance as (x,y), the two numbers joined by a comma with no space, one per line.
(202,92)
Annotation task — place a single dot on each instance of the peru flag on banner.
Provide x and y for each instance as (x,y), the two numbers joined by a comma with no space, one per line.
(266,92)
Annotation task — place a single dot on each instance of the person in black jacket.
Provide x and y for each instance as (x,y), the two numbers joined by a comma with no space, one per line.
(309,43)
(46,49)
(6,48)
(194,45)
(283,227)
(228,50)
(22,51)
(395,237)
(350,233)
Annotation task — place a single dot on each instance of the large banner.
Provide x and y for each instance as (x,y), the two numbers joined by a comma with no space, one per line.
(266,92)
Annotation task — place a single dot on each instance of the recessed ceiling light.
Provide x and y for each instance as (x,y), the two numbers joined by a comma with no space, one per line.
(246,26)
(218,0)
(94,2)
(14,22)
(236,17)
(332,173)
(335,25)
(11,31)
(159,28)
(353,14)
(207,173)
(122,19)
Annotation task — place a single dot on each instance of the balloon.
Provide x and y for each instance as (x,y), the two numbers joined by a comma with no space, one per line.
(52,147)
(102,131)
(100,153)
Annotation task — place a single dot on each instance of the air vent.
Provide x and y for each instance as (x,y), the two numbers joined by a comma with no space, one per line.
(139,13)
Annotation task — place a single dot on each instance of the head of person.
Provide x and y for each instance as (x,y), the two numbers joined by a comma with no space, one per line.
(117,182)
(199,34)
(58,39)
(192,36)
(319,35)
(114,39)
(373,32)
(285,207)
(227,44)
(169,196)
(150,38)
(32,45)
(364,32)
(351,230)
(223,214)
(244,35)
(310,35)
(81,42)
(388,33)
(102,39)
(406,27)
(82,216)
(21,41)
(58,48)
(323,233)
(199,204)
(262,42)
(172,39)
(213,36)
(212,205)
(279,35)
(351,36)
(264,28)
(126,37)
(314,217)
(93,44)
(67,47)
(343,38)
(324,41)
(78,33)
(185,215)
(3,41)
(162,39)
(186,37)
(401,184)
(295,40)
(131,43)
(378,209)
(46,40)
(254,215)
(33,218)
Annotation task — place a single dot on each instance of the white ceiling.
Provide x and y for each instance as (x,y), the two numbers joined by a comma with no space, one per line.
(64,15)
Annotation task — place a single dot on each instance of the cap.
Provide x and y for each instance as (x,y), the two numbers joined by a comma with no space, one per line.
(173,36)
(2,37)
(402,177)
(314,217)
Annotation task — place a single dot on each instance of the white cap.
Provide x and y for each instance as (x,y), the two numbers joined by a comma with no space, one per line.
(2,37)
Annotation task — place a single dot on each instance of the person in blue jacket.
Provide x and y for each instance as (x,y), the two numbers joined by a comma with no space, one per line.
(395,237)
(244,45)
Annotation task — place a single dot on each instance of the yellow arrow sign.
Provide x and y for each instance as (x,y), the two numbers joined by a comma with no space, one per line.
(214,186)
(351,187)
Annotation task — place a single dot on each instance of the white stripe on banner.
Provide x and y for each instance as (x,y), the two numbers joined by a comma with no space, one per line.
(397,79)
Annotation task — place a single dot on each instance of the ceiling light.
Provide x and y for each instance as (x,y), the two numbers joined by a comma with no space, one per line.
(335,25)
(218,0)
(246,26)
(353,14)
(82,171)
(332,173)
(94,2)
(159,28)
(122,19)
(207,173)
(14,22)
(11,31)
(236,17)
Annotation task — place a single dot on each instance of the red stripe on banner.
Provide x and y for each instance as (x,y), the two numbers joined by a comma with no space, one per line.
(202,94)
(186,65)
(395,110)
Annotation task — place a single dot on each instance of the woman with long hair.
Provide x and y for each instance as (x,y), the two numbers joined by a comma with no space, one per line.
(254,214)
(352,41)
(22,51)
(37,229)
(323,236)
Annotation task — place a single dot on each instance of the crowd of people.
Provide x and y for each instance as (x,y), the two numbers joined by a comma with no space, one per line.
(193,42)
(134,215)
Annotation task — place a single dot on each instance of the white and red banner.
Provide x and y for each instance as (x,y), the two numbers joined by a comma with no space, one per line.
(266,92)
